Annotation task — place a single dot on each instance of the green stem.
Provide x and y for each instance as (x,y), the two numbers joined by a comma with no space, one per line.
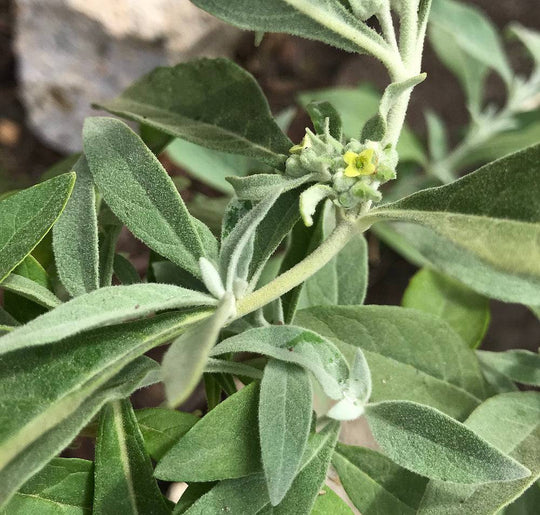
(329,248)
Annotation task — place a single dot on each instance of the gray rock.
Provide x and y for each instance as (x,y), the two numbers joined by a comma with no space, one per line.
(74,52)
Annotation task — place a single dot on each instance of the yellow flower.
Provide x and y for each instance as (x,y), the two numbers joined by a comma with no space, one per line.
(359,164)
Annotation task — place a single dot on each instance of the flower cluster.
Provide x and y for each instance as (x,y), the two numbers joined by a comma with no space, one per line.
(350,174)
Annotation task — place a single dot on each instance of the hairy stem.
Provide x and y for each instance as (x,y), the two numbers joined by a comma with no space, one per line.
(329,248)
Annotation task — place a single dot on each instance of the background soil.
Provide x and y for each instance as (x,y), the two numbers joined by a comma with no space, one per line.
(284,66)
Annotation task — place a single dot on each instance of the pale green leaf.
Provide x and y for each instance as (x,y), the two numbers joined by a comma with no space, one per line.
(326,20)
(210,102)
(223,444)
(375,484)
(184,362)
(75,236)
(430,443)
(510,422)
(483,229)
(161,428)
(412,355)
(26,216)
(285,405)
(123,480)
(343,281)
(140,193)
(466,311)
(261,185)
(521,366)
(105,306)
(63,487)
(470,30)
(530,38)
(30,290)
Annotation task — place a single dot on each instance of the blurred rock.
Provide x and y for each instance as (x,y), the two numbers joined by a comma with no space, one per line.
(74,52)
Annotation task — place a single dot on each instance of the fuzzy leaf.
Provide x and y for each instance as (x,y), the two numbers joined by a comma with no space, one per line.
(466,311)
(483,229)
(184,362)
(223,444)
(375,484)
(329,502)
(27,216)
(75,236)
(105,306)
(519,365)
(343,281)
(30,290)
(56,411)
(285,405)
(123,480)
(399,345)
(326,20)
(426,441)
(260,186)
(141,194)
(210,102)
(125,271)
(320,112)
(510,422)
(161,428)
(63,487)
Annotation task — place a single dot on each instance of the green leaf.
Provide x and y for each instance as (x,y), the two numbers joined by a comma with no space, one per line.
(482,229)
(466,311)
(224,444)
(261,185)
(375,484)
(329,502)
(105,306)
(467,28)
(140,193)
(193,492)
(326,20)
(322,113)
(75,236)
(430,443)
(63,487)
(343,281)
(56,411)
(530,39)
(521,366)
(161,428)
(437,136)
(210,102)
(30,290)
(125,271)
(27,216)
(249,495)
(123,471)
(358,105)
(184,362)
(510,422)
(527,504)
(285,406)
(297,346)
(412,355)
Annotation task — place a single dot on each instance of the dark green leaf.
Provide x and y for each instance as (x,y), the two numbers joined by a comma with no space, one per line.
(123,481)
(30,290)
(320,112)
(284,421)
(161,428)
(63,487)
(375,484)
(27,216)
(125,271)
(210,102)
(224,444)
(432,444)
(75,236)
